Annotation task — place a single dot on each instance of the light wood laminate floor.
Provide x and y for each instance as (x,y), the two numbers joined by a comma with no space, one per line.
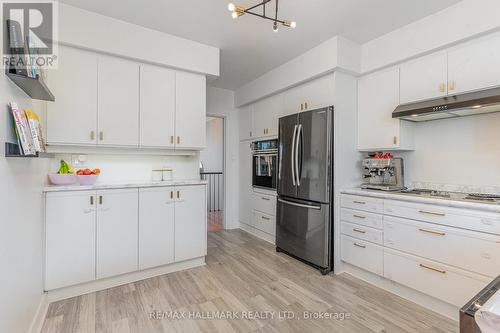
(243,274)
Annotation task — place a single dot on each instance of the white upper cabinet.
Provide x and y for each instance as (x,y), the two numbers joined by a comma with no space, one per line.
(265,116)
(117,232)
(190,222)
(157,113)
(245,115)
(378,96)
(190,114)
(474,65)
(72,118)
(156,226)
(424,78)
(311,95)
(70,233)
(118,102)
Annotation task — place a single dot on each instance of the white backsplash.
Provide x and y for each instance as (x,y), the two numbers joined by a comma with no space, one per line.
(133,168)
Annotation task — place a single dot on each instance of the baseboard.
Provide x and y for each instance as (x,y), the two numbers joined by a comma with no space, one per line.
(258,233)
(40,314)
(89,287)
(431,303)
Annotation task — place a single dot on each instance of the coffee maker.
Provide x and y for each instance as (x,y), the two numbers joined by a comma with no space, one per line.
(385,174)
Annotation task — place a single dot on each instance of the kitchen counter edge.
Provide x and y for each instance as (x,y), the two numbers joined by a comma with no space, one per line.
(434,201)
(55,188)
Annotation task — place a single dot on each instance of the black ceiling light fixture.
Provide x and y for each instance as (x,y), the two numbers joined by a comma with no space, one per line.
(237,11)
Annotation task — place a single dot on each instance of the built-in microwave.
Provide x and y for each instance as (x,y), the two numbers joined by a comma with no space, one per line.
(264,164)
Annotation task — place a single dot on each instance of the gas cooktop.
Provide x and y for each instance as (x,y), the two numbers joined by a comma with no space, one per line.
(476,197)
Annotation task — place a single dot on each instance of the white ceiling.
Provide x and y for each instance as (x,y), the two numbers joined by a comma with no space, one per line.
(248,46)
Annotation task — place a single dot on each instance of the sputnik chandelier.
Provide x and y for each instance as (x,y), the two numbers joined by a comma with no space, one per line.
(238,11)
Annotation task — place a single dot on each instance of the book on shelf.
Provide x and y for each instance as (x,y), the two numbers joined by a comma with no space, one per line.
(31,54)
(35,129)
(23,131)
(17,48)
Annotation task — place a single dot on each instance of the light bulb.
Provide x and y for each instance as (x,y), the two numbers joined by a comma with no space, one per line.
(234,15)
(231,7)
(275,27)
(293,24)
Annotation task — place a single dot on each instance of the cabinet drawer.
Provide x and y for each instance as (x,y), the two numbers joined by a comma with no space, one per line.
(264,222)
(477,252)
(367,204)
(362,232)
(455,217)
(264,203)
(445,283)
(362,254)
(362,218)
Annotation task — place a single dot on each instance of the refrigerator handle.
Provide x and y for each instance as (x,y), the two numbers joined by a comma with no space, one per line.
(298,204)
(293,152)
(299,134)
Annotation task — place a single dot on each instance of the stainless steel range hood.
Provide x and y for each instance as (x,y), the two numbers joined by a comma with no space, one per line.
(468,104)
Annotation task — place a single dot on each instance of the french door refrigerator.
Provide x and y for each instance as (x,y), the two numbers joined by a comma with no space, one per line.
(304,227)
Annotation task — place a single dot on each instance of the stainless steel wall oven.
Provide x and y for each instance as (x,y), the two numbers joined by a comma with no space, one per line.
(264,168)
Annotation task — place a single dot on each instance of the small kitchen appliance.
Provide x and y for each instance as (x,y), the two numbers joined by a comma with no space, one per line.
(384,174)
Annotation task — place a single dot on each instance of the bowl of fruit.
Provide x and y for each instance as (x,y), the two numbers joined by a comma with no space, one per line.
(87,176)
(64,176)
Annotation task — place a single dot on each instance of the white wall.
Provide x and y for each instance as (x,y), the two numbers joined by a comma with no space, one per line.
(116,168)
(213,155)
(220,103)
(459,151)
(21,224)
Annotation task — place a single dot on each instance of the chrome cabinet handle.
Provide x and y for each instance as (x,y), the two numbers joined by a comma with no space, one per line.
(266,199)
(432,232)
(101,135)
(178,139)
(359,231)
(359,216)
(91,199)
(266,218)
(92,135)
(172,139)
(100,200)
(178,194)
(431,213)
(171,194)
(358,245)
(359,202)
(433,269)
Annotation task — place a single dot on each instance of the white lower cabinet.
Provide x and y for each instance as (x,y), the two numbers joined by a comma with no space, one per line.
(448,284)
(264,222)
(93,235)
(156,226)
(117,232)
(363,254)
(190,222)
(70,233)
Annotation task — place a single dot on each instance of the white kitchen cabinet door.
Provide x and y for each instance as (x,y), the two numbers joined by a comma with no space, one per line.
(245,184)
(190,116)
(118,107)
(474,65)
(378,96)
(72,118)
(157,113)
(190,222)
(311,95)
(117,232)
(424,78)
(70,234)
(265,116)
(245,115)
(156,226)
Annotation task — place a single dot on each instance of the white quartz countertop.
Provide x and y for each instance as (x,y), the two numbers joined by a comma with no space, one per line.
(488,207)
(107,186)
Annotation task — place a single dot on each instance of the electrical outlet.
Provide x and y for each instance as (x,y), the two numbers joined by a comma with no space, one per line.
(78,161)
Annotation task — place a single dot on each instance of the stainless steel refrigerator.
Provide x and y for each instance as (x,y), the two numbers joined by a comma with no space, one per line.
(304,227)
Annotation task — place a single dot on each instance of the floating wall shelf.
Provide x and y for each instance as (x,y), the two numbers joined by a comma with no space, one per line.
(34,87)
(13,150)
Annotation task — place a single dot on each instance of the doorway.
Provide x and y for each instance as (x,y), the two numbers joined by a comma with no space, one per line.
(212,170)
